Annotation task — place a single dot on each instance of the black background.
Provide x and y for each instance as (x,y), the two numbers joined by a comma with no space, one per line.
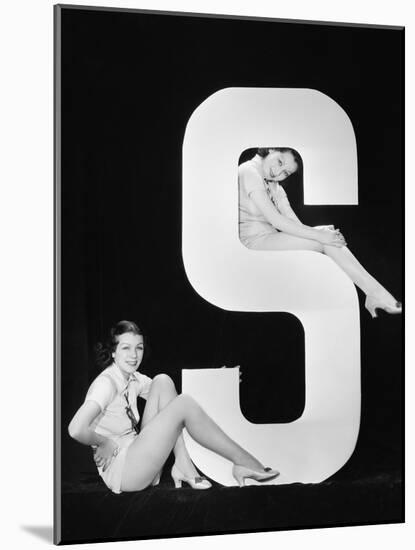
(130,82)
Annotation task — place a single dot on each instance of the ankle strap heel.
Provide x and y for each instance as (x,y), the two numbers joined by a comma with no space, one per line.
(198,482)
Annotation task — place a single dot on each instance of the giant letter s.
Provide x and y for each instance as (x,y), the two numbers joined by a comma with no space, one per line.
(306,284)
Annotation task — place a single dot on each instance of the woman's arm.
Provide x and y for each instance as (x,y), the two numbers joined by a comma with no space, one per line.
(252,183)
(277,220)
(285,207)
(80,430)
(80,425)
(99,396)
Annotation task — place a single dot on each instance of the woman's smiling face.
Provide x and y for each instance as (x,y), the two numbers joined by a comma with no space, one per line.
(129,352)
(277,166)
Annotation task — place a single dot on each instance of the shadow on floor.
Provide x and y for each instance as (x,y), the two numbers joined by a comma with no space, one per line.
(43,532)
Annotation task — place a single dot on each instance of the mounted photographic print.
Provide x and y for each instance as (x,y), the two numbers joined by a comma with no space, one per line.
(229,274)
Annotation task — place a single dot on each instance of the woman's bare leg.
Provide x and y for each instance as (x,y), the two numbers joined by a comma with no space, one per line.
(342,256)
(162,392)
(283,241)
(146,456)
(345,259)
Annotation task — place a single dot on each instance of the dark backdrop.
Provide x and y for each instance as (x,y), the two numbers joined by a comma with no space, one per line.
(130,82)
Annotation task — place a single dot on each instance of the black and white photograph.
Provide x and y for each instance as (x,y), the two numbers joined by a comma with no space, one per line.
(206,274)
(229,266)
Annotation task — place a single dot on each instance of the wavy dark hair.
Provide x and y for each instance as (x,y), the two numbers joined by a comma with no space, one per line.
(104,351)
(265,151)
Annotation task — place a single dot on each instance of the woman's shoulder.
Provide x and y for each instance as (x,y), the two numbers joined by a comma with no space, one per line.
(102,390)
(248,167)
(104,379)
(249,177)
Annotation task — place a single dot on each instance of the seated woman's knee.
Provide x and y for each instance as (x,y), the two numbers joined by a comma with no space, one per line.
(163,379)
(187,399)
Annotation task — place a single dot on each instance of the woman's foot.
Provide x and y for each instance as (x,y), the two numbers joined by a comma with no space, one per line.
(387,303)
(195,481)
(240,473)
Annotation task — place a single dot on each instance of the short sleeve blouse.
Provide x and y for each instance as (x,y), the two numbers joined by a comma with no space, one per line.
(249,179)
(114,394)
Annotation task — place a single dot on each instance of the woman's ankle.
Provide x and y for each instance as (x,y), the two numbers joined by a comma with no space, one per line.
(382,295)
(249,461)
(186,467)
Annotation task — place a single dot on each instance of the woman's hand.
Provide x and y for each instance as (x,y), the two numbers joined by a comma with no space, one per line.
(104,453)
(330,236)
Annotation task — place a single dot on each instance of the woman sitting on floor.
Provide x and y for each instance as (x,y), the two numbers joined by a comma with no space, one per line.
(129,459)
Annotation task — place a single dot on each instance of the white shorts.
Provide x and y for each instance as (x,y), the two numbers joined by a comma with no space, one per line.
(113,474)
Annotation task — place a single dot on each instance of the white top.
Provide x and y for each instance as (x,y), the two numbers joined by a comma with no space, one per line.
(109,390)
(252,222)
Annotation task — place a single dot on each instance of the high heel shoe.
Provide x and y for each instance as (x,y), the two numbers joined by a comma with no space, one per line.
(198,482)
(240,473)
(372,304)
